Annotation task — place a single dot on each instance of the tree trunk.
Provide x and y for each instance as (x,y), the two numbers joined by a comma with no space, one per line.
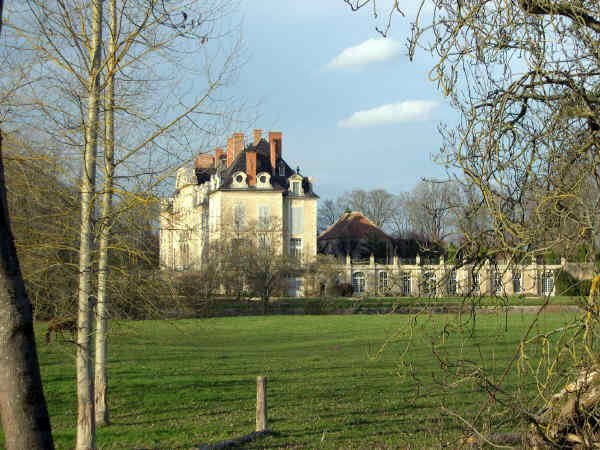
(23,410)
(22,404)
(101,383)
(86,429)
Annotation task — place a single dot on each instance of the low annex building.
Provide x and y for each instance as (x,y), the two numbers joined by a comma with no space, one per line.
(246,183)
(377,264)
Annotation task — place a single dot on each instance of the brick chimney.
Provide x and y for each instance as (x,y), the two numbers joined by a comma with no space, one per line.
(219,152)
(275,139)
(238,144)
(257,136)
(251,167)
(230,153)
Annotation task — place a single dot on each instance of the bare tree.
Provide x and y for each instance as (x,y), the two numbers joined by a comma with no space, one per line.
(524,76)
(378,205)
(154,130)
(329,212)
(428,208)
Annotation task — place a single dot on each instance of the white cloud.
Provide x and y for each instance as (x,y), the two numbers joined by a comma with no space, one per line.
(370,51)
(401,112)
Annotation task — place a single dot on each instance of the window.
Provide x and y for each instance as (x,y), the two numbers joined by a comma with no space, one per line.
(358,282)
(297,219)
(406,284)
(547,281)
(185,255)
(475,285)
(262,179)
(296,248)
(263,216)
(296,287)
(281,169)
(239,216)
(497,280)
(296,187)
(239,178)
(263,241)
(383,281)
(516,280)
(452,283)
(429,284)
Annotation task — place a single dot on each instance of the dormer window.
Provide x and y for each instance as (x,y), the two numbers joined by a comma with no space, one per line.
(296,187)
(263,180)
(239,180)
(281,169)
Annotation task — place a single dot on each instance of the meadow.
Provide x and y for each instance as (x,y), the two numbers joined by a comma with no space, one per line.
(356,381)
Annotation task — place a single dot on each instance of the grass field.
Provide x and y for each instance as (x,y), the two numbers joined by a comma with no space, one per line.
(178,384)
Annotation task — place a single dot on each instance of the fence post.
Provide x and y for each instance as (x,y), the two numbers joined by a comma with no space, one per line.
(261,404)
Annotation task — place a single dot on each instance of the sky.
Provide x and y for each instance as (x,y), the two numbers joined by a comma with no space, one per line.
(354,111)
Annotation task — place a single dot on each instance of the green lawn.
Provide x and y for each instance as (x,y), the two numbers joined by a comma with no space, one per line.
(181,383)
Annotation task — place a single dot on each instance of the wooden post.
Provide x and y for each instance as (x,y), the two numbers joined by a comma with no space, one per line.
(261,404)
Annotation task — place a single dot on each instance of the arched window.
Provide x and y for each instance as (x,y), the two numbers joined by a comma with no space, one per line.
(475,282)
(358,282)
(516,280)
(406,284)
(185,255)
(497,280)
(452,283)
(383,281)
(547,283)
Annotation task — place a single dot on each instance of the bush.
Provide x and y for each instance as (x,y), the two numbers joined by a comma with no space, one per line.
(567,284)
(344,290)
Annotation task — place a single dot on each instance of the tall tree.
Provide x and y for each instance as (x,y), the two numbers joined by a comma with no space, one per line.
(86,422)
(23,409)
(138,34)
(101,355)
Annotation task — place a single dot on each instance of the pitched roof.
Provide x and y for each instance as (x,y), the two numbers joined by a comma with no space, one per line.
(353,225)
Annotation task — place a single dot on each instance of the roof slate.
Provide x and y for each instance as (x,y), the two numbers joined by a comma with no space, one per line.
(263,164)
(353,225)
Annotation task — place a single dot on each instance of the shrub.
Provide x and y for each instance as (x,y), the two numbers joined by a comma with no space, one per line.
(344,290)
(567,284)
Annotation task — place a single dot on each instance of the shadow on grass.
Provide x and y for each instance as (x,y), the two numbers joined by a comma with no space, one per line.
(237,442)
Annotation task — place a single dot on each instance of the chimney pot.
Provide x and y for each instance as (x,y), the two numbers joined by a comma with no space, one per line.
(257,136)
(251,167)
(238,144)
(275,138)
(219,152)
(230,152)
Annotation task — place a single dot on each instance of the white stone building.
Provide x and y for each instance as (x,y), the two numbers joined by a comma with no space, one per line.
(244,184)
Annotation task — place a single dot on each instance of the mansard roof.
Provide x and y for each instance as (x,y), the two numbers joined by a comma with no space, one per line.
(353,225)
(263,164)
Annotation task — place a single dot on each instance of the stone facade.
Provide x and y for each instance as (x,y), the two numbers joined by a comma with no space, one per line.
(374,263)
(423,279)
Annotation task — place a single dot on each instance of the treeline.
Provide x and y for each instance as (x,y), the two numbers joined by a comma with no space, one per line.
(452,214)
(45,210)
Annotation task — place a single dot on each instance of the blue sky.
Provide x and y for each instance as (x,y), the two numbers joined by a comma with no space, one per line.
(354,111)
